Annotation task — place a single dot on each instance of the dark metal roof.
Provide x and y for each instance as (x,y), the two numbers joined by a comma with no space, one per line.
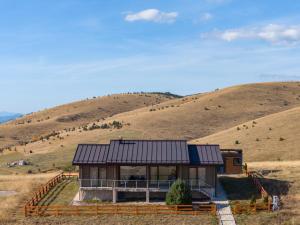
(205,155)
(91,154)
(147,152)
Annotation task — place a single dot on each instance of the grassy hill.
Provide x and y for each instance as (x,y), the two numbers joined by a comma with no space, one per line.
(273,137)
(188,118)
(73,115)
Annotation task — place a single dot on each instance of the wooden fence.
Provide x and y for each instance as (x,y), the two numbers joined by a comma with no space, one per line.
(32,207)
(45,188)
(255,178)
(238,208)
(69,210)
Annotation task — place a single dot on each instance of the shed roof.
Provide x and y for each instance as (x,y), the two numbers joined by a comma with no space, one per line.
(91,154)
(205,155)
(147,152)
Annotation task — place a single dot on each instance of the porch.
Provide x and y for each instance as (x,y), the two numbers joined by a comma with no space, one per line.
(109,189)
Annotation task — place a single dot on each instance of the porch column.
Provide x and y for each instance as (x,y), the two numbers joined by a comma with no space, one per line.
(147,196)
(115,195)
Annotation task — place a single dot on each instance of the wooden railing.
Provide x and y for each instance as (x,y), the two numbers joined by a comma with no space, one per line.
(238,208)
(255,178)
(61,210)
(45,188)
(32,207)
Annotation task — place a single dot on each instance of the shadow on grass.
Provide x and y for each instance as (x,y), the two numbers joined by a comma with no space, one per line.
(52,195)
(276,187)
(242,188)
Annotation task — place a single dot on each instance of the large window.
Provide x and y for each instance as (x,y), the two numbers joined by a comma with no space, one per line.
(133,173)
(153,173)
(196,173)
(102,173)
(163,173)
(167,172)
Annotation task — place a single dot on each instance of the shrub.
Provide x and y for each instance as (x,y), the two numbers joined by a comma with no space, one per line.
(104,126)
(237,142)
(179,193)
(281,139)
(117,124)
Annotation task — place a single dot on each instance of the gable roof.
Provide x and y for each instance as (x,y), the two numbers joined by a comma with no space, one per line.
(148,151)
(153,152)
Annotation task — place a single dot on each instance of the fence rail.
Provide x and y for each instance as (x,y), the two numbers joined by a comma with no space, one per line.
(61,210)
(45,188)
(255,178)
(32,208)
(238,208)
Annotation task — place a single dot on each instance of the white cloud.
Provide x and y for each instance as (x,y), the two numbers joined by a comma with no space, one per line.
(153,15)
(206,16)
(273,33)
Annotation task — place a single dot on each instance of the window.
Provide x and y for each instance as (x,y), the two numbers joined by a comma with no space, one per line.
(94,176)
(102,173)
(167,172)
(133,173)
(193,173)
(197,174)
(153,173)
(201,173)
(237,161)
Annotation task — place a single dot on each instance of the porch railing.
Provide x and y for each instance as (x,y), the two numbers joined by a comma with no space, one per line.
(136,184)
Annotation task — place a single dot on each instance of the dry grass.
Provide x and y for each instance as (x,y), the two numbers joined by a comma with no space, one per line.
(71,115)
(24,186)
(279,172)
(185,118)
(273,137)
(122,220)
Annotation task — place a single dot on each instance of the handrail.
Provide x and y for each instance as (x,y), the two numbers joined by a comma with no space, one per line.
(194,183)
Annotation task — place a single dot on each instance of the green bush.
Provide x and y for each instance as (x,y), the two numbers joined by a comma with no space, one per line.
(179,193)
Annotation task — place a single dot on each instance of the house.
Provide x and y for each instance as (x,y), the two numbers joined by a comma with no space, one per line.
(145,169)
(233,161)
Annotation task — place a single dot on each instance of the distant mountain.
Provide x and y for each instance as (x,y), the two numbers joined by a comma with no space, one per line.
(7,116)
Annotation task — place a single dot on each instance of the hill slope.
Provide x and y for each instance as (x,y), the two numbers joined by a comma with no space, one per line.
(204,114)
(188,118)
(73,115)
(273,137)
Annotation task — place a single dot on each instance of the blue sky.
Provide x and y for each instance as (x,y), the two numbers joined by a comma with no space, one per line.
(54,52)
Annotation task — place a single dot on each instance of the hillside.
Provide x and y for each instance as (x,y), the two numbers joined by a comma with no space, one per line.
(273,137)
(73,115)
(188,118)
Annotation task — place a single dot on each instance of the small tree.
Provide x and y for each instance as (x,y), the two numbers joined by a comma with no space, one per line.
(179,193)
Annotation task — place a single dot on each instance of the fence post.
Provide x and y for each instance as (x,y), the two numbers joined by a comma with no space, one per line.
(25,210)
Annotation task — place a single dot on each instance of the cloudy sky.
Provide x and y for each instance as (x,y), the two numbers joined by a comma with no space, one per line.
(57,51)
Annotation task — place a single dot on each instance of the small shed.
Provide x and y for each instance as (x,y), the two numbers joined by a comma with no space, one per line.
(233,161)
